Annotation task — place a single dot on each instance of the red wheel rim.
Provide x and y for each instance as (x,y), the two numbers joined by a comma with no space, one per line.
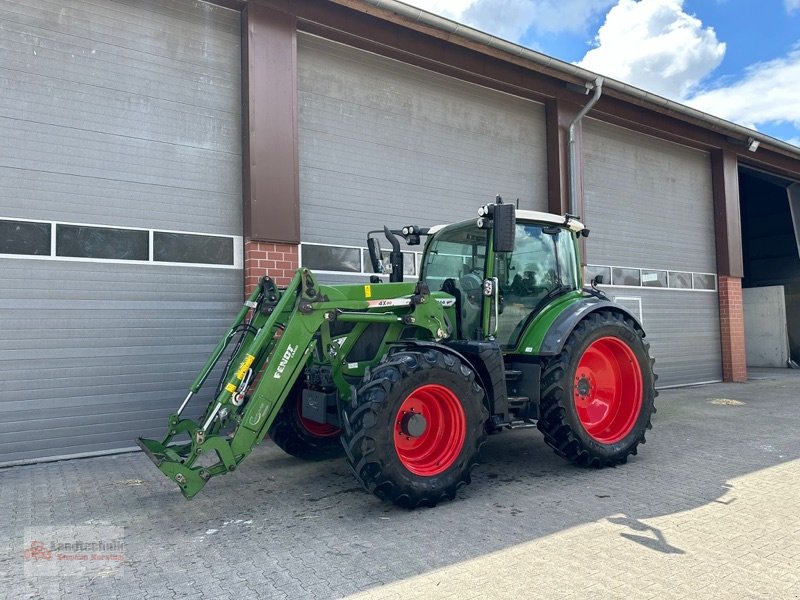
(320,430)
(436,448)
(608,390)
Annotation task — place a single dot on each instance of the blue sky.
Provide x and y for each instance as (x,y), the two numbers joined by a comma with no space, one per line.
(736,59)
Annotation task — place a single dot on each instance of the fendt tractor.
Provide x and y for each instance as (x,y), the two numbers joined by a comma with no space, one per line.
(406,379)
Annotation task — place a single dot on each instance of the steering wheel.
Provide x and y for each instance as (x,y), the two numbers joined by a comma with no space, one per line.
(471,286)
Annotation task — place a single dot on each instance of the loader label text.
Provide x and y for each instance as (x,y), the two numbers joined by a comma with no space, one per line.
(248,360)
(287,356)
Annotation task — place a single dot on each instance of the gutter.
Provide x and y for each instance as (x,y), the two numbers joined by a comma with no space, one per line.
(452,28)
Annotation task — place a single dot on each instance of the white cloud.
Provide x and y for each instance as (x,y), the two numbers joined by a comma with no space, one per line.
(655,45)
(768,93)
(512,19)
(792,5)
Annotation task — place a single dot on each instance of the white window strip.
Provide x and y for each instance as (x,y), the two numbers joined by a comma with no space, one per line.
(383,276)
(655,289)
(333,245)
(238,246)
(648,287)
(117,261)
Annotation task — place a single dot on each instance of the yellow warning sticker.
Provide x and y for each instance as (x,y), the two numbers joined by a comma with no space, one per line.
(230,388)
(248,360)
(368,291)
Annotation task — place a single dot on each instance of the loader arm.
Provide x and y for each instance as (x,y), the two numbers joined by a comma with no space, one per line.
(278,332)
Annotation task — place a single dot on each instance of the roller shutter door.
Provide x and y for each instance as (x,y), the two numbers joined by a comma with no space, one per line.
(120,215)
(386,142)
(650,209)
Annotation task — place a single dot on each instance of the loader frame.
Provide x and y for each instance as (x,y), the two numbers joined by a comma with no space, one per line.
(279,330)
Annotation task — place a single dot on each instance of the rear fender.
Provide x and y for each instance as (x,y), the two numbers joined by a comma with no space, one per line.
(574,313)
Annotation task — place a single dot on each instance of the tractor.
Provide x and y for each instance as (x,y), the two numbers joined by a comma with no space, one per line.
(407,379)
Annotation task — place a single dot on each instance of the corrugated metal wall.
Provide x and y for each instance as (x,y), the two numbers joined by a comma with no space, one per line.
(125,114)
(649,205)
(386,142)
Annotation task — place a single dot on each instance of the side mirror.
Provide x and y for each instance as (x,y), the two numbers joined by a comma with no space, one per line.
(375,255)
(504,218)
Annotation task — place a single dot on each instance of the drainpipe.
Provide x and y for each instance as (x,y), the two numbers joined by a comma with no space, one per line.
(573,160)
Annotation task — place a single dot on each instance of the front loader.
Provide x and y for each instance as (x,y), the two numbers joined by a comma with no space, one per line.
(406,379)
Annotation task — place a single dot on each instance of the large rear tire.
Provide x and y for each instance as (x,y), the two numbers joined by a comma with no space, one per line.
(302,437)
(598,394)
(415,430)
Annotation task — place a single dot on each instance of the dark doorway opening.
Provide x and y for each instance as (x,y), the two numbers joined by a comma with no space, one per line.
(770,211)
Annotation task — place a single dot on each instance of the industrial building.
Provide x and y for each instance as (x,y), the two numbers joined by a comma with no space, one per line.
(157,157)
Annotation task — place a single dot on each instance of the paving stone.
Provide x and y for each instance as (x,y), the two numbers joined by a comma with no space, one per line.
(707,509)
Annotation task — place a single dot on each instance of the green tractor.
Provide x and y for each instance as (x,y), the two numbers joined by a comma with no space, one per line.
(407,379)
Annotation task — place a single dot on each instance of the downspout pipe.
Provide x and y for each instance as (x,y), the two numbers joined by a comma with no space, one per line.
(571,149)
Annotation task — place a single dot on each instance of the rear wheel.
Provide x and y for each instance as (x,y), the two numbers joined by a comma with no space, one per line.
(597,395)
(414,433)
(303,437)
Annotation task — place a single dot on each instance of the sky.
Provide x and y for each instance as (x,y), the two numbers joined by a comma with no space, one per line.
(735,59)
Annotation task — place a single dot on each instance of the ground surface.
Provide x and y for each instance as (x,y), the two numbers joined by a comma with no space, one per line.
(709,508)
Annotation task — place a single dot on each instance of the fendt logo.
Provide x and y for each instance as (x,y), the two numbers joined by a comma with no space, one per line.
(287,356)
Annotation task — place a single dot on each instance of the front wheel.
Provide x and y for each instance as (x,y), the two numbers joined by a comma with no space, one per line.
(301,437)
(414,432)
(598,394)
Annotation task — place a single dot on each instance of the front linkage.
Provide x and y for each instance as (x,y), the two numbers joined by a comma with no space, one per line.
(277,331)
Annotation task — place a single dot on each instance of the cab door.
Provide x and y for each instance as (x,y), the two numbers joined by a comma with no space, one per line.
(542,267)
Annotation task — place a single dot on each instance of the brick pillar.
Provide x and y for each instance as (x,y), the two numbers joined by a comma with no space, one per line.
(279,261)
(731,320)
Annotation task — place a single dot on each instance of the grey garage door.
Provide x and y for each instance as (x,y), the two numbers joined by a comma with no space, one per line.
(382,142)
(650,210)
(120,215)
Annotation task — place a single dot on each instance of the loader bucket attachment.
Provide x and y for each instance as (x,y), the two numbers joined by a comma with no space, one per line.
(275,330)
(169,461)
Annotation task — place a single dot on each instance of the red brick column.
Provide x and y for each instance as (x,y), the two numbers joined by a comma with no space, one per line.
(277,260)
(731,320)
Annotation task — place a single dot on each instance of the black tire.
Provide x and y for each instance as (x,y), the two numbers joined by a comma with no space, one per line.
(572,377)
(308,441)
(415,469)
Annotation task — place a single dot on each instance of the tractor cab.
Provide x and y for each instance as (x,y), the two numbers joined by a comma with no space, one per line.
(500,290)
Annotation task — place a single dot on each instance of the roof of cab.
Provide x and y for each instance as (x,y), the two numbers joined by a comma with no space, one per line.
(534,216)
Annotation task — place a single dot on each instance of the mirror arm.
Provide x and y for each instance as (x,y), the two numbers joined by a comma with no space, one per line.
(395,256)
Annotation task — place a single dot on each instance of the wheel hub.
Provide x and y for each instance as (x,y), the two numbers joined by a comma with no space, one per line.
(413,424)
(583,386)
